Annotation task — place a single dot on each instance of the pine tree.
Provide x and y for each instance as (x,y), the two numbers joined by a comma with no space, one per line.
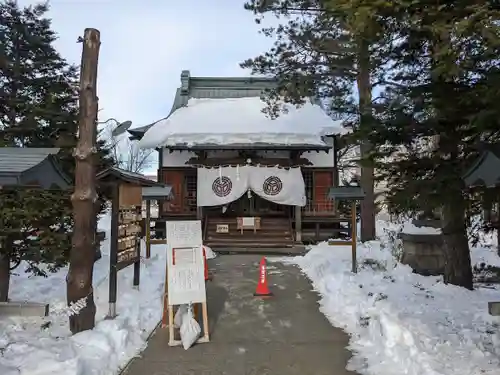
(326,49)
(441,106)
(38,108)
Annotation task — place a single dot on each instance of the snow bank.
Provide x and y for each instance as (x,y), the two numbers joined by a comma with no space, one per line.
(410,228)
(43,346)
(400,322)
(240,121)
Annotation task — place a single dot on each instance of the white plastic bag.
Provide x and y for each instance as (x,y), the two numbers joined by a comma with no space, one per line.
(179,315)
(190,329)
(209,253)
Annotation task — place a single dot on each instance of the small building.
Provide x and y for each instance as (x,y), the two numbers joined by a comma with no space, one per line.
(226,160)
(31,167)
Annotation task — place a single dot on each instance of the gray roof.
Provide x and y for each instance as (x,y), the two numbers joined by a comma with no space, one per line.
(117,174)
(22,166)
(20,159)
(486,170)
(157,192)
(346,193)
(211,88)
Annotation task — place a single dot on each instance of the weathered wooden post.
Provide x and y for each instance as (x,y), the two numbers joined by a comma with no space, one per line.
(352,194)
(79,278)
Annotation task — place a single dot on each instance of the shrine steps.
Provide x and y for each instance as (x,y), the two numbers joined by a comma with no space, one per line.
(274,234)
(269,251)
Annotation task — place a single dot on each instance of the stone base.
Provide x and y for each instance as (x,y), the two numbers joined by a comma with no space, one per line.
(422,252)
(24,309)
(494,308)
(429,223)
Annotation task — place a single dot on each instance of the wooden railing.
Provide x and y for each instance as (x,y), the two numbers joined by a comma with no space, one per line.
(323,207)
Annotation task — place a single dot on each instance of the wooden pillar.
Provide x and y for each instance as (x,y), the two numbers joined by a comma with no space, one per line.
(148,229)
(336,176)
(335,162)
(353,237)
(82,254)
(298,223)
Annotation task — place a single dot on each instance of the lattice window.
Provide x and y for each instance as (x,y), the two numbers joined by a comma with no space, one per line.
(190,181)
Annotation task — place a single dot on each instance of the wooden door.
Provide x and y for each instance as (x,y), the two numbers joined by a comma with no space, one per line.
(175,179)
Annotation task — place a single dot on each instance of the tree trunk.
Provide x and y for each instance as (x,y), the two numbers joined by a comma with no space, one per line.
(4,276)
(79,279)
(5,251)
(457,268)
(367,172)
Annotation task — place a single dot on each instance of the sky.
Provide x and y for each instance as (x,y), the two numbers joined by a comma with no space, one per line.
(145,44)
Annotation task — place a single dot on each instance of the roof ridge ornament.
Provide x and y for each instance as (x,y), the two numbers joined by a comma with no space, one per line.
(185,76)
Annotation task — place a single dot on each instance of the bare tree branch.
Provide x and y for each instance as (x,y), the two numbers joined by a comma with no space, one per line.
(125,152)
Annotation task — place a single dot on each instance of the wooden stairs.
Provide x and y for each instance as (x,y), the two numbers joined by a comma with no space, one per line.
(274,235)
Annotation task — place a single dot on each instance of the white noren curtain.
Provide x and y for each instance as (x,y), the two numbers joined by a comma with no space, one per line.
(278,185)
(220,186)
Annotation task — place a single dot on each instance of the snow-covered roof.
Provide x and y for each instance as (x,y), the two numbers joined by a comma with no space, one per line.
(240,121)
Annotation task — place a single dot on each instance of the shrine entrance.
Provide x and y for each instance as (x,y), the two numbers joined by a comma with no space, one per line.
(257,206)
(250,206)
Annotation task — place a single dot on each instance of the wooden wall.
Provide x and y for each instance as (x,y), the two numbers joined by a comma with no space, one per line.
(130,195)
(174,178)
(323,181)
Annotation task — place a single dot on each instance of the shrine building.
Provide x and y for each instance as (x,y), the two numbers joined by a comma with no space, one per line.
(253,180)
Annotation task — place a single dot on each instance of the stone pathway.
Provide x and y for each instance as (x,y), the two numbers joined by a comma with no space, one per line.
(285,335)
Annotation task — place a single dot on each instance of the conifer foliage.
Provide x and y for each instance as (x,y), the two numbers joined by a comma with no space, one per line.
(38,108)
(434,67)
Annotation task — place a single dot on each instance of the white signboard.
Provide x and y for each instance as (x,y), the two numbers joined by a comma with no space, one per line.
(184,233)
(222,228)
(186,277)
(185,268)
(248,221)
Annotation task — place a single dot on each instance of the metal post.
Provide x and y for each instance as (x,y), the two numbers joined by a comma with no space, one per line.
(137,267)
(148,229)
(353,237)
(113,256)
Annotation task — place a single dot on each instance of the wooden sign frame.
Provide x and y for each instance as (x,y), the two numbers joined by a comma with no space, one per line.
(125,247)
(241,225)
(175,241)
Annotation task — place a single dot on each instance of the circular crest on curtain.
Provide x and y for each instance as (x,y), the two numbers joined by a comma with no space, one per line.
(222,186)
(272,185)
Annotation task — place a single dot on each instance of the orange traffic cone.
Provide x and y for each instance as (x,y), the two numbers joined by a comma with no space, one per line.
(262,287)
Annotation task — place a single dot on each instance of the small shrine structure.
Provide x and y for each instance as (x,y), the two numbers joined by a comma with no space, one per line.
(128,191)
(253,180)
(31,167)
(485,173)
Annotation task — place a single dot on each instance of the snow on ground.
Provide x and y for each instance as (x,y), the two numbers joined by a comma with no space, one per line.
(404,323)
(28,347)
(409,228)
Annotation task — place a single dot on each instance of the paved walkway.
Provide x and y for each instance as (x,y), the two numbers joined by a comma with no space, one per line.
(285,335)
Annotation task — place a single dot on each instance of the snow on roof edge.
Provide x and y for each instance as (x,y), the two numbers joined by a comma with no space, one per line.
(240,120)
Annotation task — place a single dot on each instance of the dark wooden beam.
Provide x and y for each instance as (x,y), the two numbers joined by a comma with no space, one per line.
(215,162)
